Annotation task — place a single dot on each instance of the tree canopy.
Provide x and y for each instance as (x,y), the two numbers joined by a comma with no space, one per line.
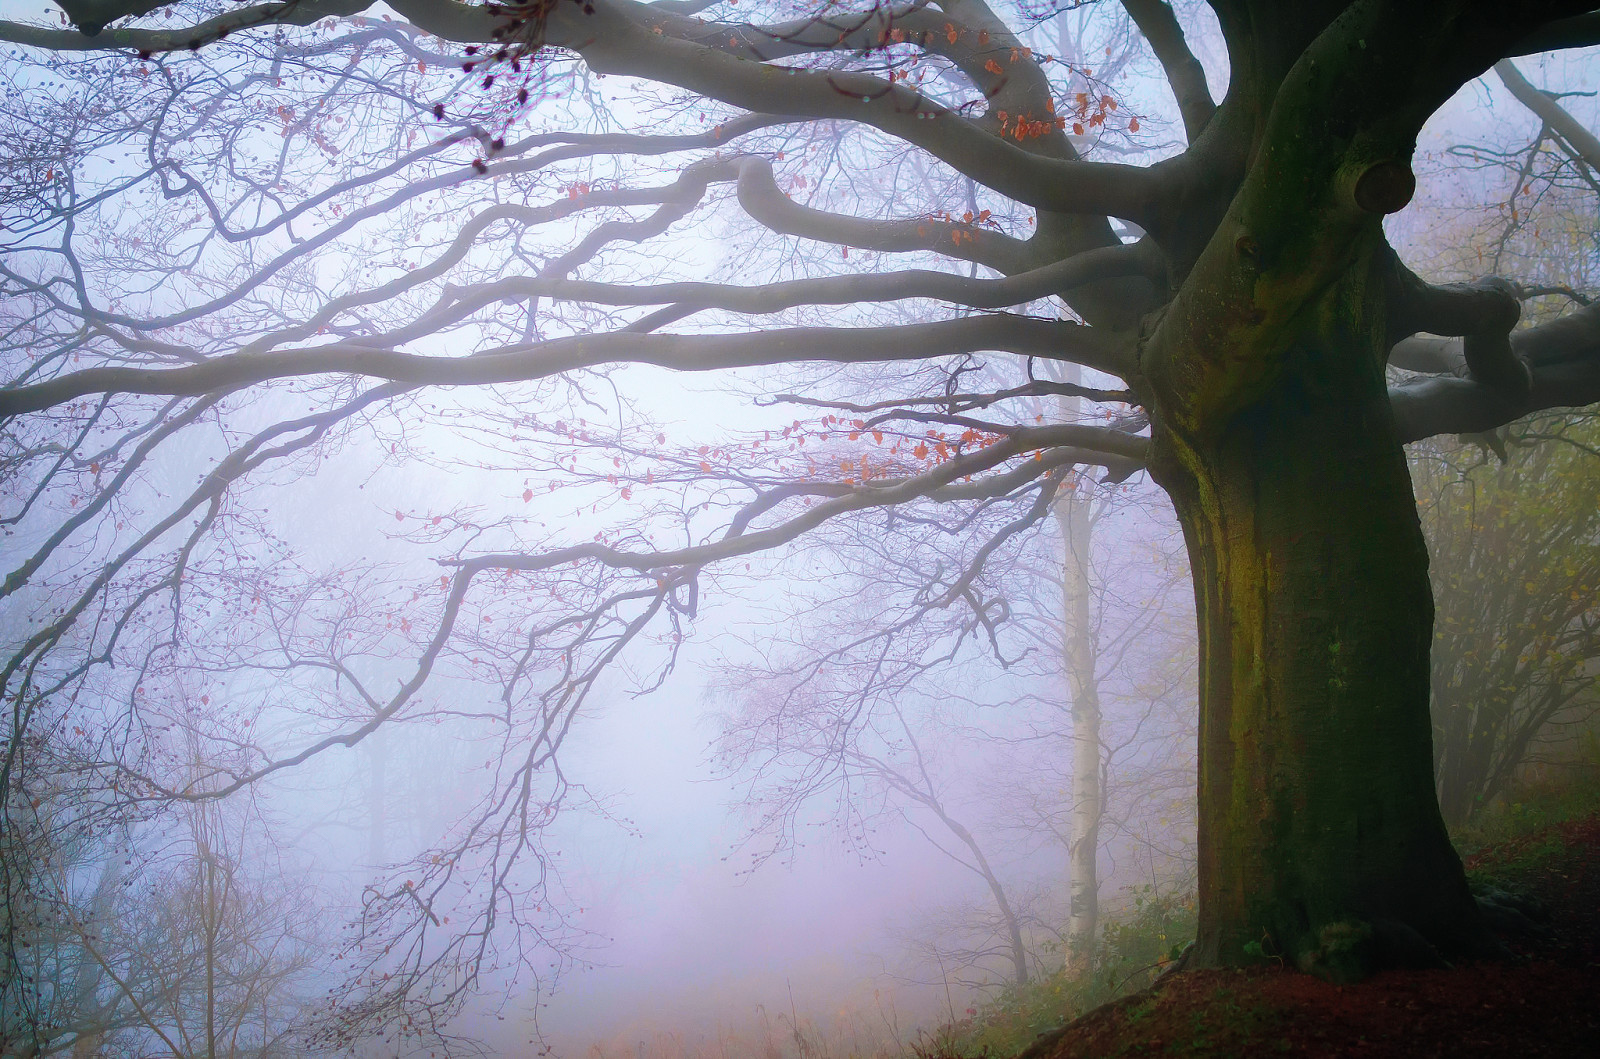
(432,260)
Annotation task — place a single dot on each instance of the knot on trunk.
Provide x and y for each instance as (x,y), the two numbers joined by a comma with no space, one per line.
(1385,187)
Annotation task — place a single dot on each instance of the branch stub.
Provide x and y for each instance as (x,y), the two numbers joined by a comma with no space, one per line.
(1385,187)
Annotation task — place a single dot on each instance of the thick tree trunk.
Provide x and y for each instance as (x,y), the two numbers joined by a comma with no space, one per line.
(1321,841)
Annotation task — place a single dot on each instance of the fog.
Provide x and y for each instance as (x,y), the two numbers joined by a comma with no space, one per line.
(553,626)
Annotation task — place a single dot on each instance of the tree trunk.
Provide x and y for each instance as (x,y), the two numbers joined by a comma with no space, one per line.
(1078,649)
(377,799)
(1008,915)
(1461,754)
(1320,837)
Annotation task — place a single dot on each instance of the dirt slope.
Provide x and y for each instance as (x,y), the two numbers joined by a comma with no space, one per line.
(1544,1003)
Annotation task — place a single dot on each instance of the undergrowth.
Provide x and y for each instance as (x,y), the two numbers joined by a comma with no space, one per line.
(1503,842)
(1134,948)
(1571,794)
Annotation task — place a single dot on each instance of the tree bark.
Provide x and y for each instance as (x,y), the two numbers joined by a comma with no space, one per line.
(1321,841)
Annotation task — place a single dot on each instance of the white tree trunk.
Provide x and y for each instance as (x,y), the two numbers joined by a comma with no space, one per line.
(377,799)
(1079,655)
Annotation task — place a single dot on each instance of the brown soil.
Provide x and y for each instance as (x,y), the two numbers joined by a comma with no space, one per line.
(1545,1002)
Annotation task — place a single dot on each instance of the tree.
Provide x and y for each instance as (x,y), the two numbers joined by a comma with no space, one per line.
(1514,567)
(124,944)
(318,288)
(986,741)
(794,742)
(1507,513)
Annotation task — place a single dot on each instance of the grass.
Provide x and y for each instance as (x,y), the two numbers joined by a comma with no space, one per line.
(1530,809)
(1518,835)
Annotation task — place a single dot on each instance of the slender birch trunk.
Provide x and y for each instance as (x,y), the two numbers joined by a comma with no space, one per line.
(1078,655)
(377,799)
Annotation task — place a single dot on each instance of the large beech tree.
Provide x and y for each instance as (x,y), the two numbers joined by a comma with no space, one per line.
(264,237)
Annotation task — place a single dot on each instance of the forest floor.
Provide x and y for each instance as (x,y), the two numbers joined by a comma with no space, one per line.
(1545,1002)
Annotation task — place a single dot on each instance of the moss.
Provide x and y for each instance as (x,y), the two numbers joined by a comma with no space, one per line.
(1345,953)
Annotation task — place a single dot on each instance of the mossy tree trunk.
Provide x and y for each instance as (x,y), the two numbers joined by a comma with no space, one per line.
(1321,842)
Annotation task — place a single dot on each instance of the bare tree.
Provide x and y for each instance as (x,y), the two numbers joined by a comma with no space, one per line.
(858,702)
(267,249)
(128,943)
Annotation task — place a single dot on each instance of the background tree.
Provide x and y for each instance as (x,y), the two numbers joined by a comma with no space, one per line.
(1514,565)
(240,265)
(1507,513)
(858,698)
(122,942)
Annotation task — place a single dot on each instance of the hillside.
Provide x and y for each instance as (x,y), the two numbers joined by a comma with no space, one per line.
(1541,1003)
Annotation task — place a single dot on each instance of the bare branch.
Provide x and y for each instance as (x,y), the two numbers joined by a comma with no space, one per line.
(1563,357)
(1584,144)
(1184,72)
(529,361)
